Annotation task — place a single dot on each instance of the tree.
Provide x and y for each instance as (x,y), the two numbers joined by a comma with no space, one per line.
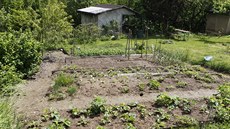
(55,25)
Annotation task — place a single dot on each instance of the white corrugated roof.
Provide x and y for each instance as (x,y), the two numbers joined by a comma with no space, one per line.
(94,10)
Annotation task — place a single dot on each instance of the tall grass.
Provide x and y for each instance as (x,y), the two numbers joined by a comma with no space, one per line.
(169,57)
(8,119)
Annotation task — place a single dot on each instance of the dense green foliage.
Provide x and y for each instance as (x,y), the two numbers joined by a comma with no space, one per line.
(8,120)
(21,51)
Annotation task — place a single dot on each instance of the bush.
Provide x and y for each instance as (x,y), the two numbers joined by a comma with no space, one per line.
(21,51)
(87,33)
(8,78)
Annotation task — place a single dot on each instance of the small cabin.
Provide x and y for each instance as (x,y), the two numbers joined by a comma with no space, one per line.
(103,14)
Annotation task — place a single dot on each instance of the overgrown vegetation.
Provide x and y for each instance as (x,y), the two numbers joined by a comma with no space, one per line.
(8,118)
(64,85)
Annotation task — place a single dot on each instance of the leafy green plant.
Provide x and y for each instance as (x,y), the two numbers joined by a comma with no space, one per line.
(106,119)
(125,89)
(161,115)
(123,108)
(164,100)
(100,127)
(75,112)
(142,110)
(34,124)
(128,117)
(97,106)
(141,86)
(185,106)
(154,84)
(130,126)
(82,121)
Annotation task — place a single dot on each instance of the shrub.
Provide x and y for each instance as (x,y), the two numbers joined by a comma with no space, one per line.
(20,50)
(87,33)
(8,78)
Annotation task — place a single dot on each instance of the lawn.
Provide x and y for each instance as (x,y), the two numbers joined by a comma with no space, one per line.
(197,47)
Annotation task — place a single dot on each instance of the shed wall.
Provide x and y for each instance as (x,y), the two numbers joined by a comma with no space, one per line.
(218,23)
(117,15)
(88,18)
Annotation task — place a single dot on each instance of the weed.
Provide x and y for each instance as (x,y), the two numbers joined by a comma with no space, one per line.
(63,80)
(181,84)
(186,121)
(57,96)
(71,90)
(8,120)
(191,74)
(168,57)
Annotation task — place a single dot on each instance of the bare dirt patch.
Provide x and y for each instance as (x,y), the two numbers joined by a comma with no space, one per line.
(114,78)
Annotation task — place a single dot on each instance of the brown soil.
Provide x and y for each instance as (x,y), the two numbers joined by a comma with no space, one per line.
(32,100)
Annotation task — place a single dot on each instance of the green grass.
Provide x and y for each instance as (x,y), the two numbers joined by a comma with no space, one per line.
(197,47)
(8,120)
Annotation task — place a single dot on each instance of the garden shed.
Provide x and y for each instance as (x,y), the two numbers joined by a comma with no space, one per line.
(218,23)
(105,13)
